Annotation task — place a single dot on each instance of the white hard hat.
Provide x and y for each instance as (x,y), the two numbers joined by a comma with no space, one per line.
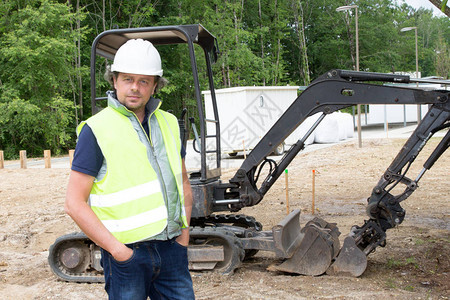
(137,56)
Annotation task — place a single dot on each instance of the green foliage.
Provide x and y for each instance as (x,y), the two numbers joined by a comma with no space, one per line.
(36,54)
(26,126)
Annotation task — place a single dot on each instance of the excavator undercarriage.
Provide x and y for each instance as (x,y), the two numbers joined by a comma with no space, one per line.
(221,242)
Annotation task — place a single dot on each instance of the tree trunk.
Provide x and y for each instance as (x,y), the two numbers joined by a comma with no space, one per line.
(300,29)
(262,38)
(438,4)
(350,39)
(277,55)
(78,65)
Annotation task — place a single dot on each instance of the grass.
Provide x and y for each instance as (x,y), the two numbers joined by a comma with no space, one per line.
(395,263)
(390,283)
(419,242)
(409,288)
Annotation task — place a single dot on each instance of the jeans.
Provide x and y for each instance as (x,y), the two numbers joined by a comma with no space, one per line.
(157,269)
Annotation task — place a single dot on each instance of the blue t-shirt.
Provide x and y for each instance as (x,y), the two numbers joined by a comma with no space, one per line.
(88,157)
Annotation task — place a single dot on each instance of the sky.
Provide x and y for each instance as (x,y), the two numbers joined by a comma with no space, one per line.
(416,4)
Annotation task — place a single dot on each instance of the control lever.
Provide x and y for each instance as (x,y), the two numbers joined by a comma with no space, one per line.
(197,138)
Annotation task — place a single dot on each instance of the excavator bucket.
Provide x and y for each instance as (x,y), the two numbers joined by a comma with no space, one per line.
(351,261)
(314,252)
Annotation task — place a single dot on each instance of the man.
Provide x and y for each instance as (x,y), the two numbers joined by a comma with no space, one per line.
(128,189)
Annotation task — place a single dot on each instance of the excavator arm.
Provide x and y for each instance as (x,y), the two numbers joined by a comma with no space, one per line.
(383,206)
(335,90)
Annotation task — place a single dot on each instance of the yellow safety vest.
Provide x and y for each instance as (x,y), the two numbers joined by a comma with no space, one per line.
(128,199)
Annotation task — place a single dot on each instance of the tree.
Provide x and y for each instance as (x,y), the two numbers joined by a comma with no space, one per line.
(442,58)
(36,54)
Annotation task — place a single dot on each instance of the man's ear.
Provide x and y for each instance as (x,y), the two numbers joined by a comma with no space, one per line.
(155,84)
(114,82)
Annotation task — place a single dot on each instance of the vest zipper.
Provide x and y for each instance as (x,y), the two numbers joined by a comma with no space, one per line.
(160,176)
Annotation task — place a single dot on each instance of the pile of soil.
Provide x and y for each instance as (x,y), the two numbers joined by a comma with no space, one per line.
(413,265)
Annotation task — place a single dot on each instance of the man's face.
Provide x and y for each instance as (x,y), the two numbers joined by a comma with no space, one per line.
(134,90)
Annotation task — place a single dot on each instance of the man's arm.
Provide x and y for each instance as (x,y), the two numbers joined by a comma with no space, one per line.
(76,207)
(183,239)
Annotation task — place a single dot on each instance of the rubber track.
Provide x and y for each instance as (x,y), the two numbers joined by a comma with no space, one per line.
(234,251)
(60,271)
(200,227)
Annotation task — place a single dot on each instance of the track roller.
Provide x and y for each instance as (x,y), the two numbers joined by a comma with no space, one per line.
(74,257)
(214,249)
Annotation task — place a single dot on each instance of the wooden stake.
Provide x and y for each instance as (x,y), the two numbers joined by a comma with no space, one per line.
(47,159)
(71,152)
(23,159)
(243,146)
(2,164)
(313,189)
(287,190)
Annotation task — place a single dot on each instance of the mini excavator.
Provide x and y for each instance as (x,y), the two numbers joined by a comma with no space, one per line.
(220,242)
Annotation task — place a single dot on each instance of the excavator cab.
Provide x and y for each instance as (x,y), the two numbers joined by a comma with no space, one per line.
(107,43)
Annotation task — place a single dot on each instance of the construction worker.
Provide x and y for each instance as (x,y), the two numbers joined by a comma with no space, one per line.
(128,189)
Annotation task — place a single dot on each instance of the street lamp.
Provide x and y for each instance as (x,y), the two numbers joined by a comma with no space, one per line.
(345,8)
(419,115)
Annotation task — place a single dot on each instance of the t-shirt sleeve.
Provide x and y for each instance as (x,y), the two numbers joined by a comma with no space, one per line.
(88,157)
(183,151)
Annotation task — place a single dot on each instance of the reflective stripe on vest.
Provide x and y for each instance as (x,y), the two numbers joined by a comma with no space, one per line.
(128,200)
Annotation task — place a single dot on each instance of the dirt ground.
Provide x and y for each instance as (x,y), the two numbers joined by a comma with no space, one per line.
(414,264)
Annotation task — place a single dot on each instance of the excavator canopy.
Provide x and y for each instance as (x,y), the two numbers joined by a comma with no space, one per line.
(107,43)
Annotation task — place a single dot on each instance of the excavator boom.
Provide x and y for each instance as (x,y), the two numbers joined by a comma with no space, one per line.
(335,90)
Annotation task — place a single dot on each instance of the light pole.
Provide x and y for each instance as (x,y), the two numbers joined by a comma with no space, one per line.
(345,8)
(419,115)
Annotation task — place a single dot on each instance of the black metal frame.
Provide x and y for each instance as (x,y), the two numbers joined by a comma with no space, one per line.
(107,43)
